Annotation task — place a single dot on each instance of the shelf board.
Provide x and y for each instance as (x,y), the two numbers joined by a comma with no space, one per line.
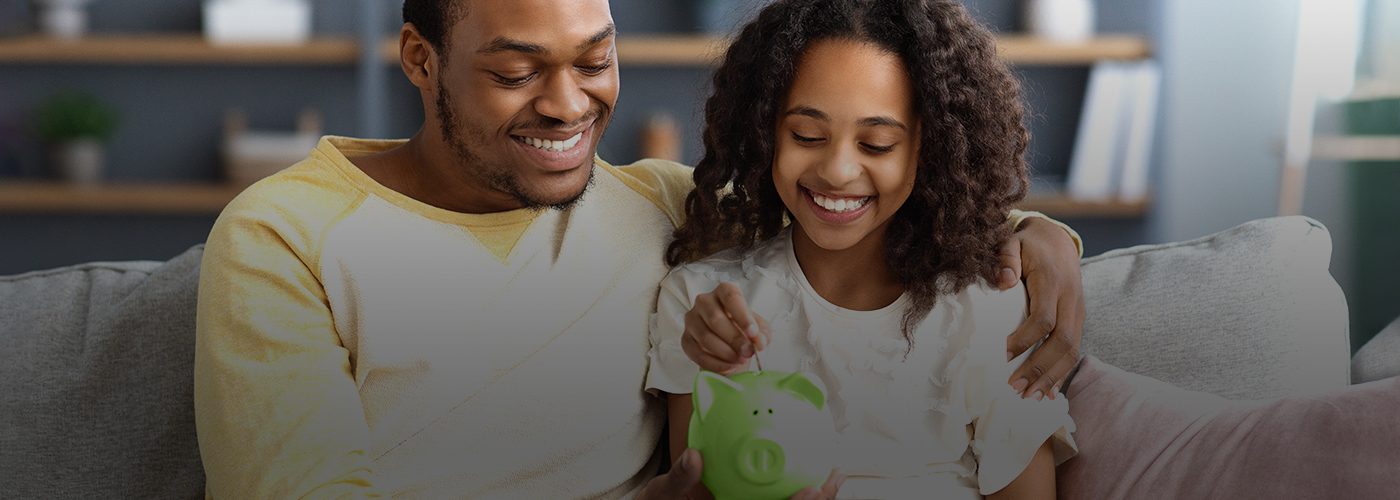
(638,50)
(1061,206)
(195,199)
(173,48)
(702,50)
(167,199)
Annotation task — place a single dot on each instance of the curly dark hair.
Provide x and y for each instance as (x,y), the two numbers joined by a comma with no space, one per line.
(971,166)
(434,20)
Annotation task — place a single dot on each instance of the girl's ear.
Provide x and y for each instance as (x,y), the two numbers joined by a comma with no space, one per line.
(709,387)
(805,385)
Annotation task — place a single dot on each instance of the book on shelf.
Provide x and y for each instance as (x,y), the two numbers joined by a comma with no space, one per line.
(1113,145)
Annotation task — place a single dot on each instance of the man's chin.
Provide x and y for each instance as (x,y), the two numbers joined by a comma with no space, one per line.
(559,199)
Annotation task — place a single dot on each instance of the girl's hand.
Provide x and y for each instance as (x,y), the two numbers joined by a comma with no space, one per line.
(721,333)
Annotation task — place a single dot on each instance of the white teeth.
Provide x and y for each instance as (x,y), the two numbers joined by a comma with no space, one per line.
(841,205)
(555,146)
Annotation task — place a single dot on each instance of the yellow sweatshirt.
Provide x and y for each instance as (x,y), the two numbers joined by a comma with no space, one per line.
(355,343)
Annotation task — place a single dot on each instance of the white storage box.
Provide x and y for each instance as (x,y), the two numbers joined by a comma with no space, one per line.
(257,21)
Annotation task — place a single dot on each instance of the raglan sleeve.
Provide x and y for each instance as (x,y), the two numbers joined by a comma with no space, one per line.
(1007,429)
(277,409)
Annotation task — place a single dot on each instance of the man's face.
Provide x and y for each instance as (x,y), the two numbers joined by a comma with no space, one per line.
(526,90)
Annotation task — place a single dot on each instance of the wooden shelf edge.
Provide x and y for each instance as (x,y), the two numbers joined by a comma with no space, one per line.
(1061,206)
(173,48)
(167,199)
(705,50)
(194,199)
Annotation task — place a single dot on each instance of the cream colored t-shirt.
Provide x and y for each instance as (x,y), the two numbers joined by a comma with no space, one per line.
(942,424)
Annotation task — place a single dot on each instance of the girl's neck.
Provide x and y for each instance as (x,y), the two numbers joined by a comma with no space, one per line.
(855,278)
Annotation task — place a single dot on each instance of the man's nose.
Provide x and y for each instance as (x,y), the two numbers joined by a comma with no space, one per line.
(563,99)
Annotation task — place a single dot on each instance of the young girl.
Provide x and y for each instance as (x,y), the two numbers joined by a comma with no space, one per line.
(874,149)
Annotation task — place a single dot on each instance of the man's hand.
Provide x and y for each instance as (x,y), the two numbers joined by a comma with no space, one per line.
(677,483)
(1049,260)
(685,474)
(721,333)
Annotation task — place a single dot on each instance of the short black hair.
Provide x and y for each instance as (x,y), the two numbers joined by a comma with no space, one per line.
(434,19)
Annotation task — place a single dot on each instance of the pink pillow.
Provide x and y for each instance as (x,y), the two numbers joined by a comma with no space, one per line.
(1141,438)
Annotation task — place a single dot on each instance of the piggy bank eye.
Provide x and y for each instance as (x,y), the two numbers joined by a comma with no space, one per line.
(770,411)
(755,412)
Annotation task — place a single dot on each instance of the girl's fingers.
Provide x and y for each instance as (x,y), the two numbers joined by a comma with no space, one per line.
(766,329)
(707,361)
(721,326)
(744,319)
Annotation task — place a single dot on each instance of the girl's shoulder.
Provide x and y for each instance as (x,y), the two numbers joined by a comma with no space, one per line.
(770,256)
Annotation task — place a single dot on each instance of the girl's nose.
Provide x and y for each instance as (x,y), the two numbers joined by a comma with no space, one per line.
(841,167)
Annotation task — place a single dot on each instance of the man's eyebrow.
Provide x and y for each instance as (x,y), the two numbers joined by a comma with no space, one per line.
(504,44)
(808,111)
(881,121)
(606,33)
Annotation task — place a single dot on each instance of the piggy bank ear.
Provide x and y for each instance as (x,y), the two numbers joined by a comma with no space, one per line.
(805,385)
(710,386)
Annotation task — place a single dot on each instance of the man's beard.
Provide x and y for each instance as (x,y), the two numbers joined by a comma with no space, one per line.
(500,179)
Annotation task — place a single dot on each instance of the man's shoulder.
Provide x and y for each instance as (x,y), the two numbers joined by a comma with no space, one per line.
(664,183)
(296,204)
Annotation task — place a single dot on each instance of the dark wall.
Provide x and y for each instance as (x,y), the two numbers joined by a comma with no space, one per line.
(172,115)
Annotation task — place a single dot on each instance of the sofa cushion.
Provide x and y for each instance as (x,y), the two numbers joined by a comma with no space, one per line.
(1247,313)
(1379,358)
(96,381)
(1143,439)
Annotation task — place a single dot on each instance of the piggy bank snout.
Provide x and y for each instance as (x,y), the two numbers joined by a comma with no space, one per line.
(761,461)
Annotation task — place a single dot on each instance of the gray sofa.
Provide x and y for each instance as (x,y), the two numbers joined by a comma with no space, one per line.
(96,359)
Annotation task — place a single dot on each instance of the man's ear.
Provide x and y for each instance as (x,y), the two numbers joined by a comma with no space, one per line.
(418,58)
(710,386)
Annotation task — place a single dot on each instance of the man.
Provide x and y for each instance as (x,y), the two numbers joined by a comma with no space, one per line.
(464,314)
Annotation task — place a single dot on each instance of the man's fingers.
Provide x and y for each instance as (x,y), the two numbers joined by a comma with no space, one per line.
(675,484)
(744,320)
(1038,324)
(1056,378)
(833,483)
(1010,269)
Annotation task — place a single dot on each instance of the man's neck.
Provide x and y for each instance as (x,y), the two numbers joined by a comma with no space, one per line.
(429,175)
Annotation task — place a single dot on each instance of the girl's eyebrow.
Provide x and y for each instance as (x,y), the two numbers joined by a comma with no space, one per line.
(874,121)
(808,111)
(881,121)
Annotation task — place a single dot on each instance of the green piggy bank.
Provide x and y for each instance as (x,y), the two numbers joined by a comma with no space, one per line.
(763,435)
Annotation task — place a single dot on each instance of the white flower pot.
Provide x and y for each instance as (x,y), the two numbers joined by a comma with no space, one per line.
(65,19)
(1061,20)
(80,161)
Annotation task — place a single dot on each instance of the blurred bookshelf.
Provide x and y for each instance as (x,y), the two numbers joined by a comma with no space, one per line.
(679,50)
(173,48)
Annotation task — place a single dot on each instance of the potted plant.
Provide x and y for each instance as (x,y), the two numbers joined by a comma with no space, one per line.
(76,125)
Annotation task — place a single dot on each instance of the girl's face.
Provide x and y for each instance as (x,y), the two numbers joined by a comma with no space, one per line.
(847,143)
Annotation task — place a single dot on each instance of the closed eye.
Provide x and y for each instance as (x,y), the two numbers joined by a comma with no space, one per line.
(805,140)
(513,82)
(877,149)
(596,70)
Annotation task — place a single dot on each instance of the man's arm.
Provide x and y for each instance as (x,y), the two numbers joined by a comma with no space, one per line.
(276,408)
(1046,254)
